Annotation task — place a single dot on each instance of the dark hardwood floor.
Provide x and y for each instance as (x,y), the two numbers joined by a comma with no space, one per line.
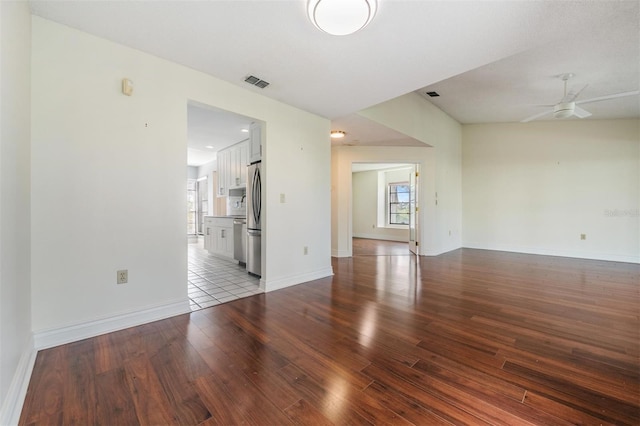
(367,247)
(469,337)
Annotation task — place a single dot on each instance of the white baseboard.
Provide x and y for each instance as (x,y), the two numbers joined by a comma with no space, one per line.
(283,282)
(381,237)
(555,252)
(59,336)
(340,253)
(430,252)
(14,400)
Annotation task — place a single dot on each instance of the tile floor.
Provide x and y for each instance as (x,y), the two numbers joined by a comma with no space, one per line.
(213,281)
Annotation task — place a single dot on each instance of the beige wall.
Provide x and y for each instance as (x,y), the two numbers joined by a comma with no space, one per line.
(16,346)
(440,172)
(536,187)
(368,218)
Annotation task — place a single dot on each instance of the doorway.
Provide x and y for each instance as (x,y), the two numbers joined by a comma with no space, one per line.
(216,164)
(384,205)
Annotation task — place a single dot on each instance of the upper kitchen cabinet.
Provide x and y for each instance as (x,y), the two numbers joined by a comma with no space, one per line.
(239,155)
(255,145)
(232,167)
(224,166)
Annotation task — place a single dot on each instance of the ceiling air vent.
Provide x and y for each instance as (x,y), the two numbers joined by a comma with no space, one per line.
(433,94)
(252,79)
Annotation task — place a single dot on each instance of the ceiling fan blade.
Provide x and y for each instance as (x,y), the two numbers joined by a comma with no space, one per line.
(614,96)
(581,113)
(574,96)
(533,117)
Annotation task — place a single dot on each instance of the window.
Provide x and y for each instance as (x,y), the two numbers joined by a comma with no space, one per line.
(399,203)
(191,206)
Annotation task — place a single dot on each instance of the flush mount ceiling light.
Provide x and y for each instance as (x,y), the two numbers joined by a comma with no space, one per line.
(337,134)
(341,17)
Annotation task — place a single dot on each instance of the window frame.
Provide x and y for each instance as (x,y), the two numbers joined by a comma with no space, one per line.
(389,203)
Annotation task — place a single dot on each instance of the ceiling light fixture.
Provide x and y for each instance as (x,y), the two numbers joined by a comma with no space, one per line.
(341,17)
(244,130)
(564,109)
(337,134)
(209,146)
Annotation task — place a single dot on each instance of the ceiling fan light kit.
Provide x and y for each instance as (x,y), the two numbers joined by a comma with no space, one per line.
(564,109)
(341,17)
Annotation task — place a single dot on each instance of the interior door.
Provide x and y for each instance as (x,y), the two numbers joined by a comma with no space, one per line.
(413,211)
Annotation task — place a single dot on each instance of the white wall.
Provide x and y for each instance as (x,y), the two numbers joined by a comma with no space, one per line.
(368,218)
(16,346)
(109,172)
(536,187)
(416,117)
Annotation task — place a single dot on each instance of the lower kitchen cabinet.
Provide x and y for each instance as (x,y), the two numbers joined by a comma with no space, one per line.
(208,232)
(220,237)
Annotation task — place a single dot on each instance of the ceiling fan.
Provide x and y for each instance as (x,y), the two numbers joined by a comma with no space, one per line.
(568,106)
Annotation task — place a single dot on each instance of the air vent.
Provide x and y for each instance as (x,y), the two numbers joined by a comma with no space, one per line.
(252,79)
(433,94)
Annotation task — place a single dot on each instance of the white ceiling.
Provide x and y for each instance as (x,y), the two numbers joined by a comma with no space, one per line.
(367,167)
(491,61)
(606,58)
(362,131)
(212,127)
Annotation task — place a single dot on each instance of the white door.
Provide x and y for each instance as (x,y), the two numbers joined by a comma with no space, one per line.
(413,211)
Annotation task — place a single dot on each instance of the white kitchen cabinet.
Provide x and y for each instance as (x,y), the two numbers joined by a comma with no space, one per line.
(222,237)
(224,165)
(241,161)
(208,232)
(255,143)
(238,169)
(232,167)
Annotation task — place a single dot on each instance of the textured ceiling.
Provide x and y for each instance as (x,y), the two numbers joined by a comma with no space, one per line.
(606,59)
(491,61)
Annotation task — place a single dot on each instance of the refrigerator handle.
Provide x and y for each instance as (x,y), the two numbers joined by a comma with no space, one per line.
(255,195)
(259,195)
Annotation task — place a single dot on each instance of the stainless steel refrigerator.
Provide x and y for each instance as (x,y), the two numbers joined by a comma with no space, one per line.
(254,222)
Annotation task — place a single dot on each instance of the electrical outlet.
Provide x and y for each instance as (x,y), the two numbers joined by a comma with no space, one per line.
(305,250)
(583,236)
(282,198)
(122,276)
